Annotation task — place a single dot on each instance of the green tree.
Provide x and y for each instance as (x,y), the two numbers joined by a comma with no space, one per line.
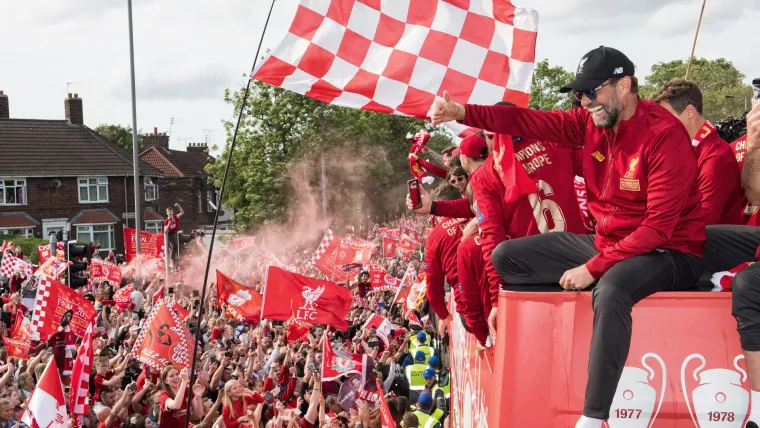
(122,135)
(278,151)
(544,92)
(722,84)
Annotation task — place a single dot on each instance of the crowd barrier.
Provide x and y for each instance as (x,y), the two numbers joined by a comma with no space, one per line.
(685,367)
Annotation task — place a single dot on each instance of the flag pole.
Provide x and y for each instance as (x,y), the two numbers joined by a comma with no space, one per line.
(221,198)
(135,148)
(696,35)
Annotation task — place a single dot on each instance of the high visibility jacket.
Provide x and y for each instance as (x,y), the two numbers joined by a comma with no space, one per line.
(444,381)
(427,350)
(414,376)
(428,421)
(413,342)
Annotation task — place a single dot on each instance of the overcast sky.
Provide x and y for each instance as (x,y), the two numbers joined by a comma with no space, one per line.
(188,51)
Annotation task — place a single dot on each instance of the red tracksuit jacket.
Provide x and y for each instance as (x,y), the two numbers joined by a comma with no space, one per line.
(719,181)
(475,297)
(749,211)
(641,180)
(441,263)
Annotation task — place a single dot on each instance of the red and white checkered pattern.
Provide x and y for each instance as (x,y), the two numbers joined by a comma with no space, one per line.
(10,264)
(397,56)
(41,306)
(323,246)
(80,379)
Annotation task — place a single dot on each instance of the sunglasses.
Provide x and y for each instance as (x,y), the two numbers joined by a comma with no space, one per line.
(456,179)
(591,93)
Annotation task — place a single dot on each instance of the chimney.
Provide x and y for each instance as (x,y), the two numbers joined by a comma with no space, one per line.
(158,140)
(197,148)
(74,109)
(4,110)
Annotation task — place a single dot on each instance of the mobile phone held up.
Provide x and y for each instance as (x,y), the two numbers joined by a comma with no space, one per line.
(414,193)
(756,90)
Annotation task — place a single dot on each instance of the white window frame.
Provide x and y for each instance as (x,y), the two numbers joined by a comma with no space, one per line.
(53,223)
(28,231)
(154,226)
(91,238)
(84,183)
(200,201)
(150,185)
(18,182)
(210,197)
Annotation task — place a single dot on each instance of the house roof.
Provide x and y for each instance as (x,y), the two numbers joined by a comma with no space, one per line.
(151,215)
(177,163)
(17,220)
(95,216)
(58,148)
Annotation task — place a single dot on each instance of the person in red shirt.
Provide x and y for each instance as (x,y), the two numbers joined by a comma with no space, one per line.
(104,377)
(171,227)
(236,402)
(719,180)
(174,409)
(641,178)
(441,258)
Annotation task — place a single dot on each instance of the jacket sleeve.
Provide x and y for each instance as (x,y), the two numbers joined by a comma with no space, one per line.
(435,275)
(470,303)
(717,182)
(564,128)
(459,208)
(228,421)
(670,176)
(491,227)
(432,168)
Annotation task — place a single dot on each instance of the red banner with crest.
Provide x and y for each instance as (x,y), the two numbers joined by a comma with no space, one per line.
(101,270)
(164,341)
(151,244)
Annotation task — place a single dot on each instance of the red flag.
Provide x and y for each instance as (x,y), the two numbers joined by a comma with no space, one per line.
(43,251)
(420,140)
(338,363)
(514,177)
(314,300)
(101,270)
(16,348)
(46,407)
(381,324)
(297,330)
(164,340)
(389,247)
(333,253)
(52,301)
(181,312)
(79,397)
(22,328)
(243,303)
(414,319)
(11,265)
(380,280)
(122,299)
(386,419)
(151,244)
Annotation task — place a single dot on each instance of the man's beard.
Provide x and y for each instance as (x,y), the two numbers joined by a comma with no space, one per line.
(611,114)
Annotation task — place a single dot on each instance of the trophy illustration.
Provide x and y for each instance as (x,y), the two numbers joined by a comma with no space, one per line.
(636,402)
(720,400)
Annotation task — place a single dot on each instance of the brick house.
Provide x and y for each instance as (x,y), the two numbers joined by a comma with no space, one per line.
(61,175)
(184,180)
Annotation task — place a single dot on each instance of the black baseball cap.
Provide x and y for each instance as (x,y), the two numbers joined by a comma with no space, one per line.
(597,66)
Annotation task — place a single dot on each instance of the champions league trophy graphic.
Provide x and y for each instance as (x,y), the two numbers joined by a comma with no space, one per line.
(636,402)
(720,400)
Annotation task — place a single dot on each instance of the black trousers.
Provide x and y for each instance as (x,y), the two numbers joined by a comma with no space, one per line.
(542,259)
(728,247)
(172,245)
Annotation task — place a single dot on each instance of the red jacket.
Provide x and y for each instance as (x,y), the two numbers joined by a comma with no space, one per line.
(750,216)
(720,181)
(458,208)
(641,180)
(441,262)
(475,296)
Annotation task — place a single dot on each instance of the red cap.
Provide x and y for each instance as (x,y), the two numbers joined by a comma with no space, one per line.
(471,147)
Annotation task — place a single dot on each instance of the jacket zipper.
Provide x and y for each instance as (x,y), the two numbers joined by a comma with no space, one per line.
(607,179)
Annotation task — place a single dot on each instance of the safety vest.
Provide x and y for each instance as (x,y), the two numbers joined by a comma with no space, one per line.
(414,376)
(444,382)
(428,351)
(413,342)
(428,421)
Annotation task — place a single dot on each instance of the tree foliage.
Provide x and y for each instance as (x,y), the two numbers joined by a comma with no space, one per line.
(277,158)
(544,92)
(722,84)
(122,135)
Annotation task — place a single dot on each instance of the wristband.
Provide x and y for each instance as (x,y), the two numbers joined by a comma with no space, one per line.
(433,206)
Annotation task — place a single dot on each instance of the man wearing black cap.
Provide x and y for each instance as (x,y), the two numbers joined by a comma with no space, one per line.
(641,178)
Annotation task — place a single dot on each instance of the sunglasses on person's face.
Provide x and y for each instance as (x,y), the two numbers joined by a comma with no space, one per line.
(456,179)
(591,93)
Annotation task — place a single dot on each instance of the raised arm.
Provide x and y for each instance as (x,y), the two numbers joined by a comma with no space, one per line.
(181,211)
(751,172)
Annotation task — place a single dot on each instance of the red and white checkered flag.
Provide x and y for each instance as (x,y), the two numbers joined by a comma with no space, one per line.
(10,265)
(397,56)
(323,246)
(80,379)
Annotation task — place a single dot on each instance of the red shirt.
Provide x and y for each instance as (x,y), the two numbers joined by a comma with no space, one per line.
(750,216)
(98,381)
(475,301)
(719,180)
(441,262)
(641,180)
(240,408)
(172,418)
(172,223)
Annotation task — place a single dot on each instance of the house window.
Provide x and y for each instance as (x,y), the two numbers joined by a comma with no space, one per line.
(27,232)
(153,226)
(93,190)
(99,233)
(200,201)
(210,200)
(12,191)
(151,190)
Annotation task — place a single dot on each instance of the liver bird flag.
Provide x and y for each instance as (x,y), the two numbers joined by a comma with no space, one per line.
(309,299)
(398,56)
(46,406)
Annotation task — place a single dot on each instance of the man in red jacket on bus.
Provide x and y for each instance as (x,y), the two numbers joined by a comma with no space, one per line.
(641,177)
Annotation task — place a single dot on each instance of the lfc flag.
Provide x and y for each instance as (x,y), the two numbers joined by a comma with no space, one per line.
(243,303)
(16,348)
(46,407)
(101,270)
(336,363)
(22,328)
(386,419)
(79,397)
(312,300)
(389,246)
(380,280)
(43,251)
(122,299)
(151,244)
(334,252)
(297,330)
(164,340)
(53,300)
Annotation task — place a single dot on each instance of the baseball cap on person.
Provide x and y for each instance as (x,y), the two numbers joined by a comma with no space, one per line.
(419,356)
(428,374)
(471,147)
(433,361)
(422,337)
(425,399)
(597,66)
